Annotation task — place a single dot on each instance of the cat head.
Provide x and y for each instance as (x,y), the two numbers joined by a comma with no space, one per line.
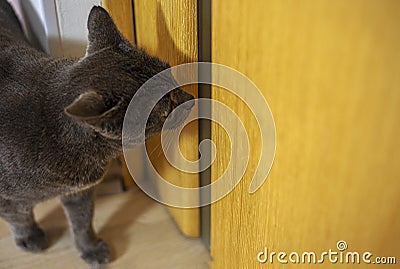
(109,76)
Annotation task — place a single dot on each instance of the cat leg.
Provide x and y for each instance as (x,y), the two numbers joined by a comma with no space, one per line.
(79,208)
(19,216)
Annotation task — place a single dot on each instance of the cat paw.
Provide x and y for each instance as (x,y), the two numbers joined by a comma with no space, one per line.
(98,254)
(34,242)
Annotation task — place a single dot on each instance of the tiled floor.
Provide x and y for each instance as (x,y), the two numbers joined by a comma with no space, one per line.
(139,231)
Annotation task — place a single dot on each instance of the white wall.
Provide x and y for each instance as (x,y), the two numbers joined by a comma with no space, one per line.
(72,20)
(56,26)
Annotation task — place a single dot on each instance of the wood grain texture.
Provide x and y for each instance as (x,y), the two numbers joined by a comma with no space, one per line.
(330,72)
(168,30)
(122,13)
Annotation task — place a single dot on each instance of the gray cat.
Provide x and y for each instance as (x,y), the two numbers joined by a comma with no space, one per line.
(61,121)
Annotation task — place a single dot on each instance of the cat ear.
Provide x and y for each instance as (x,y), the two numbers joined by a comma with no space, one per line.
(87,106)
(103,32)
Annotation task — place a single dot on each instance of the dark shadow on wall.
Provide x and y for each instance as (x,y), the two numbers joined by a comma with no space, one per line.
(167,50)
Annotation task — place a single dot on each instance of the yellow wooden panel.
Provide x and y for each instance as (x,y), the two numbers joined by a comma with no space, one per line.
(122,13)
(168,30)
(330,72)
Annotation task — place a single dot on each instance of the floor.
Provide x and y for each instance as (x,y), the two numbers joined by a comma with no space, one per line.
(139,231)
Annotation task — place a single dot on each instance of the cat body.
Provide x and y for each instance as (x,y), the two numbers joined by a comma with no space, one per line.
(61,122)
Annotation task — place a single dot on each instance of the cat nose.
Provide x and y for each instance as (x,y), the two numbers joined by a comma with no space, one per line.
(189,103)
(187,100)
(179,97)
(186,96)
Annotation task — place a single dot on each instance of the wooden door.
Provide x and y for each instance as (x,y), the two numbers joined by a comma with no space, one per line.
(330,71)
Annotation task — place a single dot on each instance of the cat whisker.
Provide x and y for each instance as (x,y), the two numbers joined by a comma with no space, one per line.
(165,142)
(169,139)
(154,149)
(169,142)
(173,134)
